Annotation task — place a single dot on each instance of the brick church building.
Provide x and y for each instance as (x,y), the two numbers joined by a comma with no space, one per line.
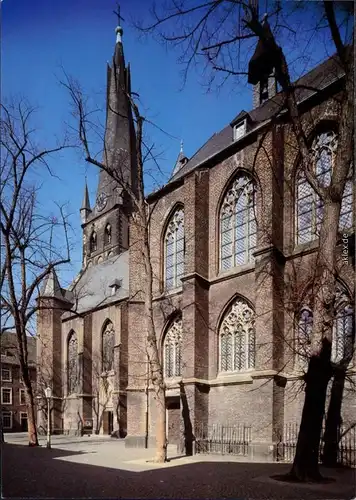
(234,238)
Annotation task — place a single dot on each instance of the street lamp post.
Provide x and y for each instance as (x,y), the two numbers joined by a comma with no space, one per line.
(48,394)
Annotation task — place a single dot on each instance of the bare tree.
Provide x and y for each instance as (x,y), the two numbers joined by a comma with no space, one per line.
(140,222)
(220,33)
(30,251)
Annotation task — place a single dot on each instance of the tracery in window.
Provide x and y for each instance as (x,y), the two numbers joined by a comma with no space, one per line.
(237,338)
(174,250)
(108,342)
(72,363)
(93,242)
(238,224)
(343,334)
(310,208)
(172,349)
(107,235)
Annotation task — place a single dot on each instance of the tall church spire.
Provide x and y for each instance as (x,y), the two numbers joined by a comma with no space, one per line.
(85,208)
(118,142)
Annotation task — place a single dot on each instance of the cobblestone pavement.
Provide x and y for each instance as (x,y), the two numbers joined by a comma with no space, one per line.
(100,467)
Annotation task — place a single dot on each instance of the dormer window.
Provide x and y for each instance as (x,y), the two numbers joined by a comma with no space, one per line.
(115,286)
(239,130)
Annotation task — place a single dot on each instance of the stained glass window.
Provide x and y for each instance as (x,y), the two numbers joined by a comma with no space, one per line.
(174,250)
(108,342)
(72,363)
(310,208)
(172,349)
(237,338)
(238,224)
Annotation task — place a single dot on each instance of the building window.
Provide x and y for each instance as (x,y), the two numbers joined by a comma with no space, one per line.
(22,396)
(7,419)
(342,333)
(107,235)
(310,208)
(172,348)
(239,130)
(237,338)
(108,342)
(263,90)
(305,327)
(6,374)
(72,363)
(24,421)
(6,396)
(174,250)
(93,242)
(238,224)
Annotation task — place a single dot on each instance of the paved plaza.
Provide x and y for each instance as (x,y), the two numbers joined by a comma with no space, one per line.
(101,467)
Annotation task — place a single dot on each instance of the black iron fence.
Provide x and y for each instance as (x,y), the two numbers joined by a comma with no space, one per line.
(222,439)
(346,444)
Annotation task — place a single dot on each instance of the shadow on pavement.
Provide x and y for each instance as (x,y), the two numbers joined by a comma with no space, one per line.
(31,473)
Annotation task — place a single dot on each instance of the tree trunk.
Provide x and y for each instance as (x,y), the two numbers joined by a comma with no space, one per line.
(333,421)
(306,460)
(31,417)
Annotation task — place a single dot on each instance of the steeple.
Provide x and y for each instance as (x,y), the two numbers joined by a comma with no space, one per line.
(85,209)
(181,160)
(119,133)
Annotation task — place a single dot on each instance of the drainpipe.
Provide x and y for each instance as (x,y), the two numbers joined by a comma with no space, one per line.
(147,402)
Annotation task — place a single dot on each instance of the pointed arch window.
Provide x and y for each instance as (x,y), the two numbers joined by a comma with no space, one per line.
(237,338)
(93,242)
(174,251)
(72,363)
(107,234)
(108,342)
(343,334)
(172,350)
(310,208)
(238,227)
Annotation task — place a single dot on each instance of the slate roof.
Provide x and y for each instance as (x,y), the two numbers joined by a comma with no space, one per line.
(93,288)
(316,79)
(9,343)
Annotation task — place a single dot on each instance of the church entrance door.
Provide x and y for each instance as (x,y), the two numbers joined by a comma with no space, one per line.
(108,422)
(173,420)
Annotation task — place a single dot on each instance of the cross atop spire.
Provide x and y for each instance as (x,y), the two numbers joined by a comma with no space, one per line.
(118,14)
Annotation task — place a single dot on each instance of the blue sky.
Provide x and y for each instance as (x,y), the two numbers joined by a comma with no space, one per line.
(39,36)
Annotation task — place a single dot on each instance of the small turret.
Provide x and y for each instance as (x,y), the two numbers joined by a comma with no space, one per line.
(181,160)
(85,208)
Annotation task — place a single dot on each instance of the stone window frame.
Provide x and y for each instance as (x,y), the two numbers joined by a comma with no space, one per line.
(228,204)
(105,329)
(107,234)
(174,222)
(343,311)
(6,389)
(6,369)
(7,414)
(72,389)
(240,309)
(172,347)
(304,192)
(93,242)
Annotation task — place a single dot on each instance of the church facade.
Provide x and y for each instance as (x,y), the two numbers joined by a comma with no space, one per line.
(233,239)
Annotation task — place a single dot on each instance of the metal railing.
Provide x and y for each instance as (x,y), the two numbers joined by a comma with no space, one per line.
(222,439)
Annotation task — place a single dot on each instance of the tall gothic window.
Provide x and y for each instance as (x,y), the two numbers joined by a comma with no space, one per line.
(238,224)
(107,235)
(342,334)
(174,250)
(108,342)
(93,242)
(172,350)
(237,338)
(310,208)
(72,363)
(305,327)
